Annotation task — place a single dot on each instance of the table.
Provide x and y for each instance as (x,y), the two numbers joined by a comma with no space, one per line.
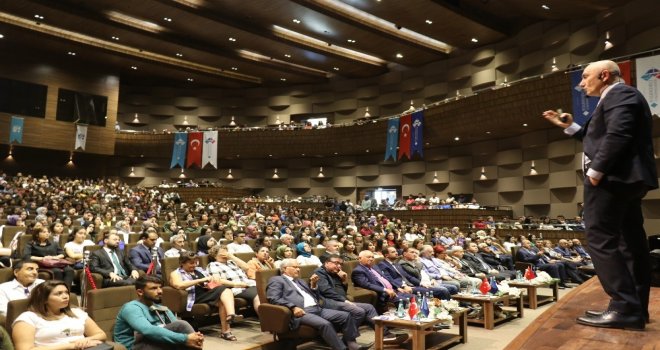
(532,299)
(421,330)
(487,303)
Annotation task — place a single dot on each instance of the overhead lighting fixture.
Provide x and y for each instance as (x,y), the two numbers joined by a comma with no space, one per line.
(232,39)
(10,155)
(115,38)
(70,162)
(325,46)
(182,175)
(608,43)
(234,68)
(398,55)
(505,82)
(320,172)
(257,57)
(554,67)
(132,173)
(275,176)
(136,120)
(435,177)
(190,79)
(71,53)
(185,120)
(178,54)
(229,175)
(532,169)
(2,36)
(483,174)
(411,108)
(277,120)
(457,138)
(38,16)
(134,22)
(545,7)
(428,21)
(287,55)
(167,19)
(283,79)
(232,122)
(346,11)
(335,68)
(134,67)
(296,21)
(352,41)
(366,113)
(458,94)
(475,40)
(525,124)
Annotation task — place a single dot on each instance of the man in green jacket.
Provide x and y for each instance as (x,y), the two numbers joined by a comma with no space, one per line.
(145,324)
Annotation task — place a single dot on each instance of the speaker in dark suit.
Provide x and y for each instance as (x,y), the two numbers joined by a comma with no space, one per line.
(619,170)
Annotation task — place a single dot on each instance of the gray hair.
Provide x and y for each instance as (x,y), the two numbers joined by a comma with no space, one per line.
(286,263)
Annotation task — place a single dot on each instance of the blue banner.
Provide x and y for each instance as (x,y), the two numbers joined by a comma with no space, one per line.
(392,138)
(417,137)
(16,130)
(583,105)
(179,150)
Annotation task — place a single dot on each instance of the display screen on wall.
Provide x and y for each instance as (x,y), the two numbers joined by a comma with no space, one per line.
(79,107)
(23,98)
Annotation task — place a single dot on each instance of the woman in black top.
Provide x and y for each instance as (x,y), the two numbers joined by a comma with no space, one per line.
(42,248)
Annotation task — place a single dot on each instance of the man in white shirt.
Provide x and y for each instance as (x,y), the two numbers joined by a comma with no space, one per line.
(239,245)
(26,272)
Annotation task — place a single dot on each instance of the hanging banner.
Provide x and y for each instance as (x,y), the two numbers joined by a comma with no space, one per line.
(583,105)
(194,156)
(392,138)
(210,152)
(404,136)
(16,130)
(648,79)
(179,150)
(417,137)
(81,137)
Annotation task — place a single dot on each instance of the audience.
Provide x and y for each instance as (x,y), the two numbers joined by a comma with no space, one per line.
(49,255)
(25,280)
(112,263)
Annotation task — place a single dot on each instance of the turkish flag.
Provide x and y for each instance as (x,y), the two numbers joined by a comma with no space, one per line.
(194,156)
(413,309)
(529,273)
(485,286)
(404,135)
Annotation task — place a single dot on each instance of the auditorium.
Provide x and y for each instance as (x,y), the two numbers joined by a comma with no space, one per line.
(329,174)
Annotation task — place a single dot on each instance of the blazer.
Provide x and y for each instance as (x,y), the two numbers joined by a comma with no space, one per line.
(475,262)
(618,138)
(280,291)
(361,277)
(330,287)
(410,271)
(530,256)
(394,274)
(140,257)
(100,262)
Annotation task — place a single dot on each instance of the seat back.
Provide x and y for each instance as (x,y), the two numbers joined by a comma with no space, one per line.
(8,233)
(169,265)
(6,274)
(348,267)
(318,251)
(262,278)
(23,241)
(103,305)
(245,256)
(306,271)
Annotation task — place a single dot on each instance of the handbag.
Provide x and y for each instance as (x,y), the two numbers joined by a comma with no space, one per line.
(51,263)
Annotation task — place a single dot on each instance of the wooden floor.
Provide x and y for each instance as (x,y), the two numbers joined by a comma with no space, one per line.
(556,328)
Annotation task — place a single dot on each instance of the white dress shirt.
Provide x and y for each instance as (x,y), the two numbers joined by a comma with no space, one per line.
(13,290)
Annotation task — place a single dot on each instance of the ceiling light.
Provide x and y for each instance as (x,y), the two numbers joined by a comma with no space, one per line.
(115,38)
(398,55)
(366,113)
(411,108)
(70,163)
(132,173)
(525,124)
(185,120)
(71,53)
(1,36)
(457,138)
(182,175)
(134,22)
(283,79)
(297,21)
(178,54)
(232,39)
(275,176)
(167,19)
(232,122)
(554,67)
(351,41)
(229,175)
(234,68)
(38,16)
(435,177)
(335,68)
(134,67)
(483,174)
(532,170)
(191,79)
(270,60)
(320,172)
(428,21)
(608,43)
(287,55)
(545,7)
(475,40)
(136,120)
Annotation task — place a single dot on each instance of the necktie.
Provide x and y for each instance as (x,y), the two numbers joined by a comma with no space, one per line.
(115,261)
(27,292)
(381,279)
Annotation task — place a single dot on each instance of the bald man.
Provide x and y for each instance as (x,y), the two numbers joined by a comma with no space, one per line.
(619,170)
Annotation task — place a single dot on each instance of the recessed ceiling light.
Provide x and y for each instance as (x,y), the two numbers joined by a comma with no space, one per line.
(191,79)
(283,79)
(367,151)
(335,68)
(428,21)
(1,36)
(457,138)
(297,21)
(545,7)
(488,132)
(167,19)
(352,41)
(336,153)
(115,38)
(38,16)
(525,124)
(475,40)
(71,53)
(398,55)
(178,54)
(287,55)
(134,67)
(234,68)
(232,39)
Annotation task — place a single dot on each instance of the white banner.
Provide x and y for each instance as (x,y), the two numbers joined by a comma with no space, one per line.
(81,137)
(648,81)
(210,149)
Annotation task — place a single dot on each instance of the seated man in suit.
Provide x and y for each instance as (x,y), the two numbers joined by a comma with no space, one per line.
(482,266)
(113,264)
(409,282)
(303,300)
(527,253)
(368,276)
(142,254)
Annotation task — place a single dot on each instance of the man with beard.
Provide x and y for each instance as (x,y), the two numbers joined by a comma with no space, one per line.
(113,264)
(146,324)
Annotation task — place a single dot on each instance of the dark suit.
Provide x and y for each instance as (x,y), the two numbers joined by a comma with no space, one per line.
(363,278)
(100,262)
(531,256)
(482,266)
(397,275)
(333,290)
(618,141)
(140,257)
(281,291)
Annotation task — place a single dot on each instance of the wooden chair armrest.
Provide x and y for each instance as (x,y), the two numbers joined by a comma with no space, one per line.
(274,318)
(175,299)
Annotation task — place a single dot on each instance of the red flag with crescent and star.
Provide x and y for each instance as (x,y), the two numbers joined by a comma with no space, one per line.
(194,156)
(404,135)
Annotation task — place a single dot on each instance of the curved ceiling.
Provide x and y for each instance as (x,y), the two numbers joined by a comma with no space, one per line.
(239,43)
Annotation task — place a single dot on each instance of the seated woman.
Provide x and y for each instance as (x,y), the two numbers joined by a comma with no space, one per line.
(74,247)
(41,249)
(50,323)
(349,252)
(204,243)
(305,256)
(282,252)
(233,272)
(201,290)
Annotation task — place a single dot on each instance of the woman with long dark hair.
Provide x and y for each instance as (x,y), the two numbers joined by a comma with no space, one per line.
(42,250)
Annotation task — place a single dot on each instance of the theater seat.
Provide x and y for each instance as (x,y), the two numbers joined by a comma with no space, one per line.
(103,305)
